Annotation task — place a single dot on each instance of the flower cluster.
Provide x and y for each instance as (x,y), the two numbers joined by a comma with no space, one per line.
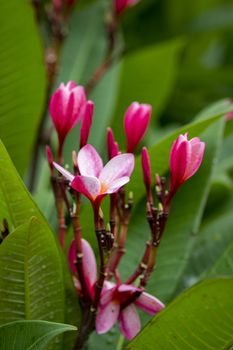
(104,297)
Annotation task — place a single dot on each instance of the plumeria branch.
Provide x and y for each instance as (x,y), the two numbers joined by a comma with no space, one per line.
(103,301)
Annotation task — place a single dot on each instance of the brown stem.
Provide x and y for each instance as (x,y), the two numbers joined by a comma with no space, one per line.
(86,327)
(142,265)
(102,269)
(151,265)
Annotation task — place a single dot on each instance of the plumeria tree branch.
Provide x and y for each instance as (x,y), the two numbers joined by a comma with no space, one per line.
(103,301)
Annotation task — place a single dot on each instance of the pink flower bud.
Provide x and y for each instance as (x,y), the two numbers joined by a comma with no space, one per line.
(185,159)
(136,122)
(121,5)
(66,108)
(113,148)
(86,122)
(146,169)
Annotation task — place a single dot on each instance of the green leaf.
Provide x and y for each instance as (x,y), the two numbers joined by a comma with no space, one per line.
(23,80)
(148,76)
(184,220)
(20,205)
(199,319)
(31,280)
(30,335)
(211,245)
(223,265)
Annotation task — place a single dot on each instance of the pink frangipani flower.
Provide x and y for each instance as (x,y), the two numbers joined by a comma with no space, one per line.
(65,107)
(95,180)
(185,159)
(121,5)
(111,309)
(113,297)
(136,121)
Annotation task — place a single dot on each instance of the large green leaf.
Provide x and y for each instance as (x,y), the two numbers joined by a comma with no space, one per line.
(20,208)
(31,280)
(199,319)
(212,242)
(20,205)
(23,83)
(183,223)
(30,335)
(147,76)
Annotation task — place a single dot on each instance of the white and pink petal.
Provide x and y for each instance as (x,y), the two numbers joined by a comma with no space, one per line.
(149,304)
(89,161)
(107,317)
(87,185)
(118,167)
(64,172)
(129,322)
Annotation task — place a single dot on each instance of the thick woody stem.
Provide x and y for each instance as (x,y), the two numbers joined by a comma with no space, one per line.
(86,327)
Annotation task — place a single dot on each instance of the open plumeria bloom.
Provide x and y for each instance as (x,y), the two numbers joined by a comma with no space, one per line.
(95,180)
(185,159)
(113,297)
(112,310)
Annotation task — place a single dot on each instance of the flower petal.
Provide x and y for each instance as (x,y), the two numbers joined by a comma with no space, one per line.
(197,152)
(149,303)
(128,288)
(107,317)
(129,322)
(87,185)
(179,161)
(118,167)
(89,161)
(64,172)
(89,266)
(107,294)
(115,185)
